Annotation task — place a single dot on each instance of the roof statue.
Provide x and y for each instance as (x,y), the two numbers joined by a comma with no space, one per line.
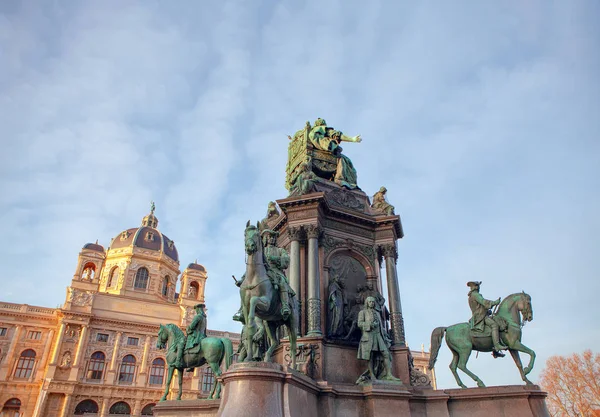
(318,147)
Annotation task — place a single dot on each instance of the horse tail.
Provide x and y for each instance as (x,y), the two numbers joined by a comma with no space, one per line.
(436,341)
(228,352)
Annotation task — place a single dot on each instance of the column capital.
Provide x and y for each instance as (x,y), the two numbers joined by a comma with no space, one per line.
(295,233)
(389,250)
(313,230)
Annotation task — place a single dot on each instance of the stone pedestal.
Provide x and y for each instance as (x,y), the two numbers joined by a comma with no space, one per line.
(269,390)
(187,408)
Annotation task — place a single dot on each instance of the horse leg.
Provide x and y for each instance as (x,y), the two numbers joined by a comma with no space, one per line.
(292,326)
(180,380)
(250,332)
(518,346)
(168,384)
(463,357)
(453,366)
(517,359)
(271,330)
(217,385)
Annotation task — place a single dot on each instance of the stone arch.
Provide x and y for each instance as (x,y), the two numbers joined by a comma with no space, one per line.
(147,410)
(194,290)
(354,269)
(88,271)
(120,408)
(86,407)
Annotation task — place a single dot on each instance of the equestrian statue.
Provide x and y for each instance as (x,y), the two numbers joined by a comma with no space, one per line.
(487,332)
(265,292)
(193,350)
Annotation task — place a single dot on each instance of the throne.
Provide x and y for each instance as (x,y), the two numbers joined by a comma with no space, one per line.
(301,150)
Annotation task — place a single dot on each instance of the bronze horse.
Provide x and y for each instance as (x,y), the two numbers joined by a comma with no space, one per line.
(215,351)
(461,341)
(260,299)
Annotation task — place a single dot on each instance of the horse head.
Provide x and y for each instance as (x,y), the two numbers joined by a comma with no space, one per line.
(163,336)
(252,242)
(525,306)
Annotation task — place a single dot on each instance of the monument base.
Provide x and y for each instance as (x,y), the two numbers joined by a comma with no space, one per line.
(258,389)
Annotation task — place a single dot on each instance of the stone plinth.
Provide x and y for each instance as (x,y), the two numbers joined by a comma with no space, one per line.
(188,408)
(270,390)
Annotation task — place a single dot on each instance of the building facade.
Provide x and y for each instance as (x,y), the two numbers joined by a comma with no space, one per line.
(97,354)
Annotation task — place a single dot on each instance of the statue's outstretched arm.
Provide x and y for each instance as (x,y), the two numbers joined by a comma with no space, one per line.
(356,138)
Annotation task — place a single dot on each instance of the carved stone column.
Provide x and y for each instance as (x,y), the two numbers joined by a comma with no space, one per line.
(137,408)
(397,322)
(81,345)
(142,376)
(294,269)
(104,407)
(42,365)
(314,281)
(111,372)
(66,405)
(5,368)
(59,339)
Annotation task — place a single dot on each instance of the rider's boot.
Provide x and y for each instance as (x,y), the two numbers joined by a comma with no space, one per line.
(238,316)
(496,339)
(180,357)
(285,308)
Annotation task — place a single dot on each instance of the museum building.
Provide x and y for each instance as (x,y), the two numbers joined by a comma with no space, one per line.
(96,355)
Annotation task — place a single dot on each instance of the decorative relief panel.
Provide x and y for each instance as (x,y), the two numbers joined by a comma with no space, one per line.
(80,298)
(346,199)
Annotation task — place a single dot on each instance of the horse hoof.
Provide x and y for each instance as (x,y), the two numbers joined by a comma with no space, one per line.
(163,399)
(526,370)
(480,384)
(463,386)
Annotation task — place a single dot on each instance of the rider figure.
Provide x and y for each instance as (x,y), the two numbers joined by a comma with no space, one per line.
(277,260)
(479,307)
(195,332)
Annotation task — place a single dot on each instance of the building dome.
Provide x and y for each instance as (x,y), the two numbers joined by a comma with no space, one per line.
(147,236)
(196,267)
(93,246)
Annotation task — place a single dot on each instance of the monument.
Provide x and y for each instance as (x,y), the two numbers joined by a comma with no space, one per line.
(335,344)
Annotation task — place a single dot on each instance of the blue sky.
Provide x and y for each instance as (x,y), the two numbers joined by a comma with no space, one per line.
(480,118)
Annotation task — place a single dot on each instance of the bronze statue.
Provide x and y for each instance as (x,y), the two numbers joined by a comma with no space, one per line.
(380,204)
(277,260)
(305,182)
(462,339)
(328,139)
(272,213)
(374,344)
(479,307)
(336,304)
(195,332)
(260,298)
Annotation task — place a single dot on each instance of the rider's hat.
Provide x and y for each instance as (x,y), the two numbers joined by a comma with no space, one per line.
(199,306)
(269,231)
(473,283)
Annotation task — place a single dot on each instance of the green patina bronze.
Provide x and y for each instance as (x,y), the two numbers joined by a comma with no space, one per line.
(212,350)
(265,294)
(374,345)
(319,148)
(478,333)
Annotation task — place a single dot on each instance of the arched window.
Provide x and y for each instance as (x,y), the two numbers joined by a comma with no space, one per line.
(194,290)
(165,286)
(127,370)
(208,379)
(96,366)
(86,407)
(112,277)
(121,408)
(157,371)
(89,271)
(25,364)
(12,408)
(147,410)
(141,279)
